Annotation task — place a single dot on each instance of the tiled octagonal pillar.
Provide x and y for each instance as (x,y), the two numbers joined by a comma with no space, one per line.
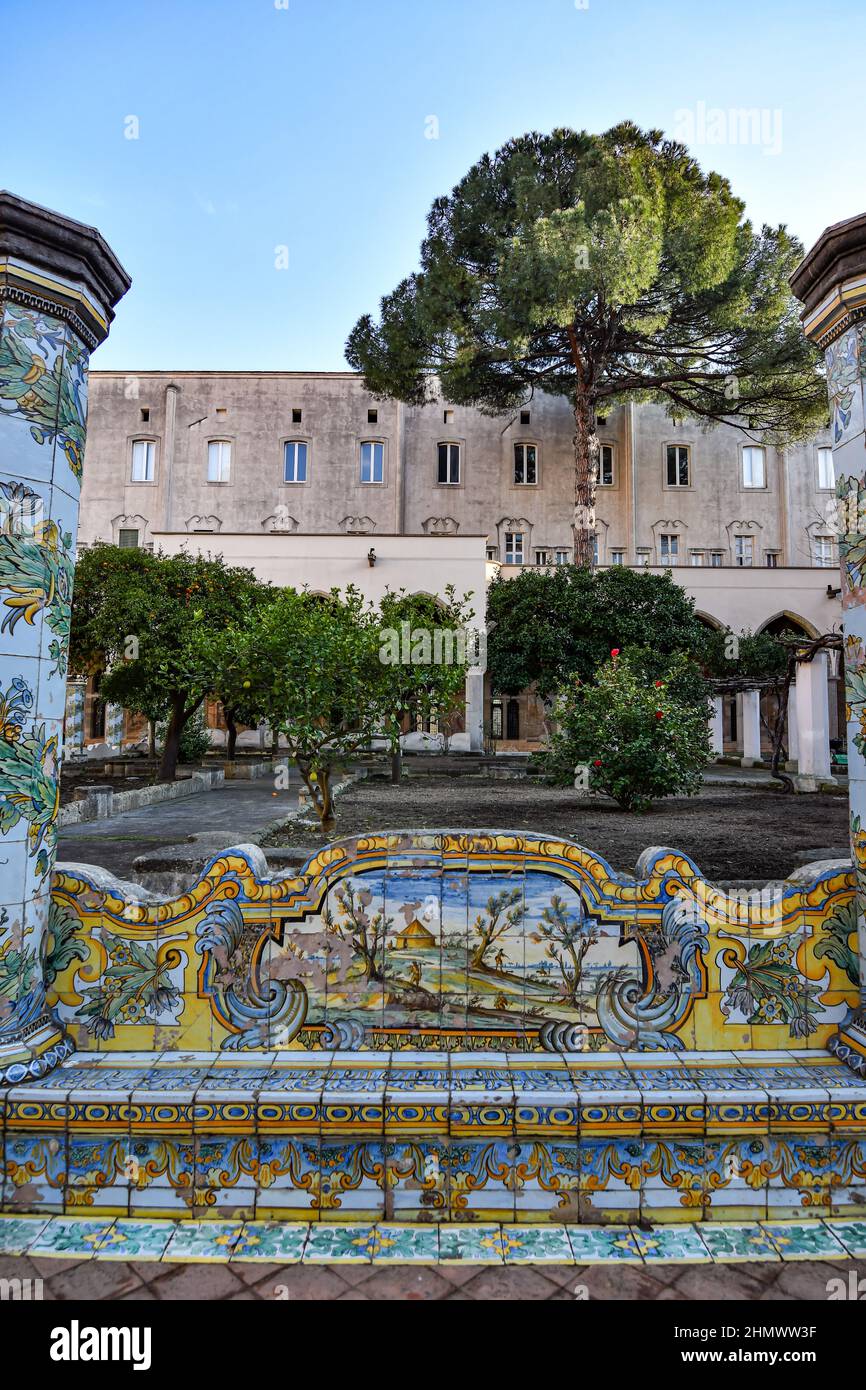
(831,284)
(59,282)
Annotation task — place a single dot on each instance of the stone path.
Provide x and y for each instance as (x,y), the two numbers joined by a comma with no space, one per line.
(122,1280)
(242,810)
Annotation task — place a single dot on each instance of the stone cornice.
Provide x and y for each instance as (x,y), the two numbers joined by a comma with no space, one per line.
(52,262)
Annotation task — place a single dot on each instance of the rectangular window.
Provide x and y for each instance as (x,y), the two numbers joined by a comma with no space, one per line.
(514,547)
(696,558)
(525,465)
(825,555)
(542,557)
(525,417)
(449,463)
(219,461)
(643,558)
(127,540)
(617,557)
(669,550)
(297,416)
(372,417)
(754,467)
(372,462)
(448,417)
(145,414)
(772,559)
(562,557)
(605,466)
(717,559)
(678,472)
(295,470)
(826,473)
(493,552)
(744,551)
(143,461)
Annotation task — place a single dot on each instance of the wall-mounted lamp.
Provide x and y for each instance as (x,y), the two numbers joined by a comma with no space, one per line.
(371,558)
(833,593)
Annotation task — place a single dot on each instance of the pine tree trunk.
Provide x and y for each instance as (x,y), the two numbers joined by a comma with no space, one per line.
(586,455)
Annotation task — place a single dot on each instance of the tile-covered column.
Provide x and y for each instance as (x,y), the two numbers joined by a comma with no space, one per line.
(59,282)
(73,728)
(717,727)
(751,728)
(115,719)
(813,723)
(831,284)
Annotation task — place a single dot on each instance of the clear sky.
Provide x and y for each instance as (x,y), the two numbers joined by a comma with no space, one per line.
(304,124)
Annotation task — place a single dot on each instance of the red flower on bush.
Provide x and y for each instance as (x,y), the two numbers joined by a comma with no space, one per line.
(597,763)
(659,714)
(615,653)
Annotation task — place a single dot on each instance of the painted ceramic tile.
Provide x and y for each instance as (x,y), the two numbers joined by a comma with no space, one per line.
(671,1244)
(852,1235)
(68,1238)
(729,1243)
(267,1242)
(536,1245)
(203,1241)
(598,1245)
(542,949)
(340,1244)
(470,1245)
(136,1240)
(807,1241)
(17,1233)
(409,1244)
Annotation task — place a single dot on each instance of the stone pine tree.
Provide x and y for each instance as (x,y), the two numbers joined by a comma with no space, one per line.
(602,268)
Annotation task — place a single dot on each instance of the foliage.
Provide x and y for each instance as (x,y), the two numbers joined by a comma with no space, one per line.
(138,617)
(504,912)
(601,268)
(836,944)
(424,686)
(546,626)
(768,988)
(568,941)
(637,738)
(311,667)
(752,655)
(194,742)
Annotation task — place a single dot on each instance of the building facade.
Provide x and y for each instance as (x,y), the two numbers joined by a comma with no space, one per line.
(268,461)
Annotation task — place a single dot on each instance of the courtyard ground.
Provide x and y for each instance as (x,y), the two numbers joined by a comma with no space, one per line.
(242,811)
(117,1280)
(730,832)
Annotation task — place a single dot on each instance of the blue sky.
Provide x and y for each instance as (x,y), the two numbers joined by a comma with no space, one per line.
(303,123)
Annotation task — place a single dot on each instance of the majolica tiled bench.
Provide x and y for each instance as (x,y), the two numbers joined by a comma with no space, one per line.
(433,1137)
(446,1026)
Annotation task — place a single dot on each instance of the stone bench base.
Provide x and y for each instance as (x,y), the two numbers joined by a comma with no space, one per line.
(460,1137)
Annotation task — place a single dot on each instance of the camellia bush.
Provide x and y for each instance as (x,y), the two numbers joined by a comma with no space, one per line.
(635,738)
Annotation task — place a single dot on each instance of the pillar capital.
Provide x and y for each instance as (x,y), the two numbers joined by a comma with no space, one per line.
(830,281)
(59,266)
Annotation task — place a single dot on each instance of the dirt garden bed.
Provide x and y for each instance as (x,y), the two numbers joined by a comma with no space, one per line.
(731,833)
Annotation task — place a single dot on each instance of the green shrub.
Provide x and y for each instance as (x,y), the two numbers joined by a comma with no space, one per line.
(632,737)
(194,741)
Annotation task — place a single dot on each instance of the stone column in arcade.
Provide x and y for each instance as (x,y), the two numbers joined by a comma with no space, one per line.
(831,285)
(59,283)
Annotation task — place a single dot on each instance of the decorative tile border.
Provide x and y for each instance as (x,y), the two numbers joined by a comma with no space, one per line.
(174,1242)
